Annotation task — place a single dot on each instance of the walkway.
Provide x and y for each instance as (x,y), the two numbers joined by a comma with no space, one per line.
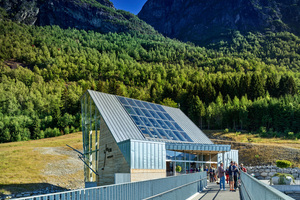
(213,192)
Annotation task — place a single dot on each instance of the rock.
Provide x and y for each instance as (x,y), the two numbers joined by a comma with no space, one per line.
(272,173)
(267,170)
(204,21)
(264,174)
(273,170)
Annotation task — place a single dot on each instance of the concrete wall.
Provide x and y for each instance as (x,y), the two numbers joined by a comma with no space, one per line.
(113,161)
(147,174)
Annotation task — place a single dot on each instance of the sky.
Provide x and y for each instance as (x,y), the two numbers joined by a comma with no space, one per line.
(133,6)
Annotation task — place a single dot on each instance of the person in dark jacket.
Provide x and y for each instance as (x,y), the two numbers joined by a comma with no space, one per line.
(231,170)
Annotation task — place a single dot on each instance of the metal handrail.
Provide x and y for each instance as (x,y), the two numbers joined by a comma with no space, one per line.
(157,195)
(266,187)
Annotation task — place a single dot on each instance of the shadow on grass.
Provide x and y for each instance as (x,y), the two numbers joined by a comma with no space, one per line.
(29,188)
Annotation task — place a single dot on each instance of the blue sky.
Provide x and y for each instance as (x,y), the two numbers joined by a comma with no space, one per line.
(133,6)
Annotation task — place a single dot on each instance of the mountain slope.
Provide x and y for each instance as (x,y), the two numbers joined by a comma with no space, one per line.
(207,21)
(98,15)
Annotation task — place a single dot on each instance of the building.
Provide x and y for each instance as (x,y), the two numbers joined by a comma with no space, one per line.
(131,140)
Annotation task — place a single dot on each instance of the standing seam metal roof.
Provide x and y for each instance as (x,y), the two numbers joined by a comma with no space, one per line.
(123,127)
(118,121)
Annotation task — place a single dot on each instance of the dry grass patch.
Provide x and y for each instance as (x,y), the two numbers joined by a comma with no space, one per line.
(26,162)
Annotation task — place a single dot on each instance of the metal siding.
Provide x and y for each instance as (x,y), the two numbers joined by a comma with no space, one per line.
(125,149)
(118,121)
(197,146)
(232,155)
(187,125)
(147,155)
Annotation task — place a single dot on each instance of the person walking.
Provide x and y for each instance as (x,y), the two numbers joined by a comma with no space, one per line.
(221,176)
(211,174)
(235,176)
(231,174)
(227,174)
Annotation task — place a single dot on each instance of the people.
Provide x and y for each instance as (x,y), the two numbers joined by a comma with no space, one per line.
(235,176)
(227,174)
(242,168)
(231,175)
(211,174)
(221,176)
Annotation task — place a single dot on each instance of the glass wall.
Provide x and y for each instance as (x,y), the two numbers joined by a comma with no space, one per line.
(187,162)
(90,136)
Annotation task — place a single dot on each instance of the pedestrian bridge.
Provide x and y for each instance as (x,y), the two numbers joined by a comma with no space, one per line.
(190,186)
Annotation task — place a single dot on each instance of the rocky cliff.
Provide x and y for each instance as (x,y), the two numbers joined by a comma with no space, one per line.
(202,21)
(98,15)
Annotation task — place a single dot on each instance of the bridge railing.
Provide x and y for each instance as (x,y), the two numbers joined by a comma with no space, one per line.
(252,189)
(175,187)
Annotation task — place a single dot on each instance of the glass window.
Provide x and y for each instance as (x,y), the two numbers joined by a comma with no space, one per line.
(145,131)
(170,125)
(179,155)
(162,124)
(139,103)
(131,102)
(177,126)
(123,100)
(130,110)
(146,113)
(178,135)
(170,155)
(137,120)
(168,117)
(146,104)
(154,106)
(171,135)
(162,116)
(160,108)
(138,111)
(163,134)
(186,137)
(154,133)
(146,121)
(154,122)
(153,113)
(193,157)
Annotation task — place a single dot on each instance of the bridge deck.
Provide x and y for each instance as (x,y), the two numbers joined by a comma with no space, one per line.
(213,192)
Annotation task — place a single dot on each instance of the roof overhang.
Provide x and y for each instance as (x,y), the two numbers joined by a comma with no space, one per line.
(197,147)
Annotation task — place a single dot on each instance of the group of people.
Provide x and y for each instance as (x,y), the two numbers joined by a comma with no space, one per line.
(232,174)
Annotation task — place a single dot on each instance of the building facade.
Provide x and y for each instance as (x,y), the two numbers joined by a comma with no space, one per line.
(131,140)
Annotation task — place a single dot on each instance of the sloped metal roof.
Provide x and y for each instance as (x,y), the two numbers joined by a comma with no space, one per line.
(123,127)
(118,121)
(187,125)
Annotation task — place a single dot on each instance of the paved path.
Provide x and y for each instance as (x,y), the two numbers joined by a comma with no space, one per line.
(213,192)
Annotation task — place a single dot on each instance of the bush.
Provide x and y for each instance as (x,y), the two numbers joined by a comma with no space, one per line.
(283,163)
(226,130)
(178,168)
(49,132)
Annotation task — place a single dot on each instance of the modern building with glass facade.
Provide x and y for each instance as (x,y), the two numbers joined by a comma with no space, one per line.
(131,140)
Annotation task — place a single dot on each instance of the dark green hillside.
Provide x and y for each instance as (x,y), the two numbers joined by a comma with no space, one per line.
(44,71)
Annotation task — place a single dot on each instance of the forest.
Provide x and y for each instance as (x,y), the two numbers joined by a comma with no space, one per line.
(250,83)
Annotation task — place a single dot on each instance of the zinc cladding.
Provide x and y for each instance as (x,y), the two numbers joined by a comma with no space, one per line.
(116,118)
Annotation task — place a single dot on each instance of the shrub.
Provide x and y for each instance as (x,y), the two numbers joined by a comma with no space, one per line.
(282,177)
(283,163)
(226,130)
(178,168)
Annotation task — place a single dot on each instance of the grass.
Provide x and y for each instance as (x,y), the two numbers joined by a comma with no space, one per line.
(252,138)
(21,163)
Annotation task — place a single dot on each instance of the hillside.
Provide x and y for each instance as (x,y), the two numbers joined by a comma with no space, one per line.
(252,84)
(203,22)
(38,166)
(98,15)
